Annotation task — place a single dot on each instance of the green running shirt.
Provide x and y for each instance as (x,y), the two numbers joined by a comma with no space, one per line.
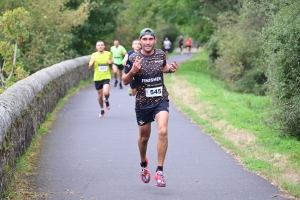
(117,54)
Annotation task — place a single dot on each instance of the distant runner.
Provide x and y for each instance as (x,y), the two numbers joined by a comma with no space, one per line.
(136,45)
(180,43)
(188,44)
(99,61)
(167,46)
(118,52)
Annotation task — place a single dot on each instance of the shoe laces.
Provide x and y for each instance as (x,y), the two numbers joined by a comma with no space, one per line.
(161,174)
(144,170)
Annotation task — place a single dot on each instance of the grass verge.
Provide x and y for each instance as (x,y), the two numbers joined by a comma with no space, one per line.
(21,186)
(238,122)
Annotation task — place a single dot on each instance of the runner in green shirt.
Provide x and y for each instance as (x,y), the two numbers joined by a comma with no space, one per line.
(100,62)
(118,52)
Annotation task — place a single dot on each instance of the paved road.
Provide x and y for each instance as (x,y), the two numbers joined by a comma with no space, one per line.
(85,157)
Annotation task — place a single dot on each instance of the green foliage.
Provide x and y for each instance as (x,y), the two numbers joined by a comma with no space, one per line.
(281,50)
(48,26)
(43,130)
(235,48)
(13,27)
(188,17)
(100,25)
(133,18)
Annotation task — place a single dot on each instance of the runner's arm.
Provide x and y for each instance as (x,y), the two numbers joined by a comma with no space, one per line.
(125,59)
(131,69)
(92,62)
(124,52)
(170,68)
(127,75)
(127,78)
(166,68)
(110,60)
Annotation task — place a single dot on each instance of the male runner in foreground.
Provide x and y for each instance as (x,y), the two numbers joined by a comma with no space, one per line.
(147,67)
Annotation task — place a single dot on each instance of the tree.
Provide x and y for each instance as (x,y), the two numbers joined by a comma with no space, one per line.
(100,24)
(13,32)
(49,26)
(235,47)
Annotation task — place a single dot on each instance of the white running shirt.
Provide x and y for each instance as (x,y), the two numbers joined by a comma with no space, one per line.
(167,44)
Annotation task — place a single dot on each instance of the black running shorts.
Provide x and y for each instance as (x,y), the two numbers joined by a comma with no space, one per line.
(120,67)
(146,115)
(168,50)
(99,84)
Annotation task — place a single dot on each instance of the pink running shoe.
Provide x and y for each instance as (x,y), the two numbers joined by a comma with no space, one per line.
(160,179)
(145,175)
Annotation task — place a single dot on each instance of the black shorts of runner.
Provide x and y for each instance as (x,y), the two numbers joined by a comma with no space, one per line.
(144,116)
(99,84)
(167,50)
(132,84)
(120,67)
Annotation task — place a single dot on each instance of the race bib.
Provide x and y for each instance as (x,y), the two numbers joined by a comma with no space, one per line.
(153,86)
(154,92)
(116,60)
(102,67)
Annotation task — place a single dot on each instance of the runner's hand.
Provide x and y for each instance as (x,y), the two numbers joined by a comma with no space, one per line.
(173,67)
(136,65)
(110,62)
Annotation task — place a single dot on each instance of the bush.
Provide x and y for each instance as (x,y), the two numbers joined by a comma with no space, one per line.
(235,49)
(281,48)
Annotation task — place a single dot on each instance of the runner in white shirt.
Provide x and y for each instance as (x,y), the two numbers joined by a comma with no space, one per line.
(167,46)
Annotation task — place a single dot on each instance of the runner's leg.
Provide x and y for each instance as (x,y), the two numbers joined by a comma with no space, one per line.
(106,93)
(120,74)
(100,98)
(115,72)
(143,143)
(144,135)
(162,144)
(162,119)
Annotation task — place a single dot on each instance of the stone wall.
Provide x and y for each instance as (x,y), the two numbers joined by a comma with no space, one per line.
(24,106)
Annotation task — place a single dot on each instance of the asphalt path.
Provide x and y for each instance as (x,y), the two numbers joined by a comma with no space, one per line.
(86,157)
